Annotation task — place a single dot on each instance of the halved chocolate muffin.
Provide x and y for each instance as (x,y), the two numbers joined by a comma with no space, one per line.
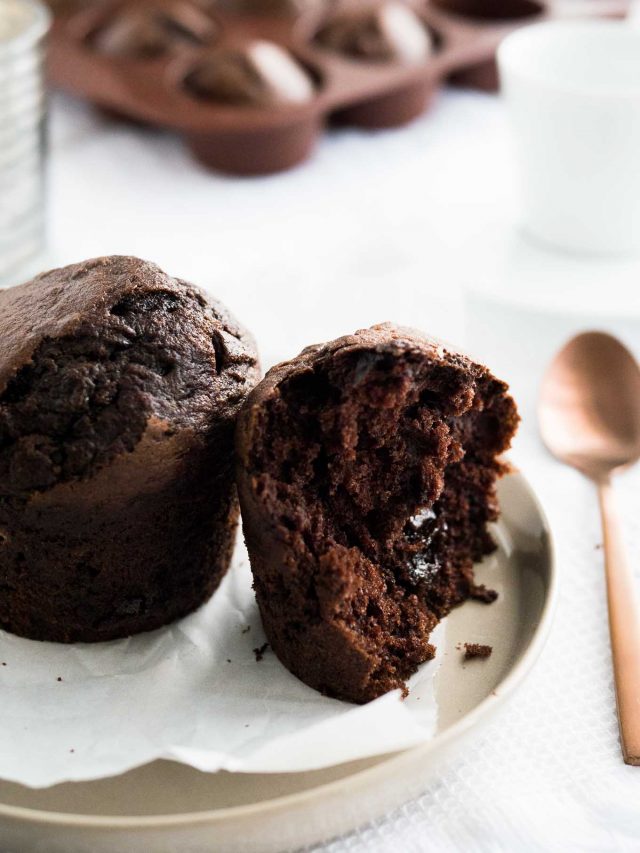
(119,390)
(366,472)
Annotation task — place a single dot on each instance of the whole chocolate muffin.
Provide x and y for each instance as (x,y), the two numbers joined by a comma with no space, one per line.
(119,390)
(366,474)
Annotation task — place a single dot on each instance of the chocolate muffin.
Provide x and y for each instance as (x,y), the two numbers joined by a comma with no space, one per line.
(119,390)
(366,471)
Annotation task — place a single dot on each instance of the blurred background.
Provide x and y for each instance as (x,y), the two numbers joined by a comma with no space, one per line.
(418,224)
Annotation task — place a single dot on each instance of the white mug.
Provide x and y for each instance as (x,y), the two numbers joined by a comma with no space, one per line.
(572,89)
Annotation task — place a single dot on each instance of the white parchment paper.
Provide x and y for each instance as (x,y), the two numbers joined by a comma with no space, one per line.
(192,692)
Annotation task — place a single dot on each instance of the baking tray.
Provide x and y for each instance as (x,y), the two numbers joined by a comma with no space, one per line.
(259,138)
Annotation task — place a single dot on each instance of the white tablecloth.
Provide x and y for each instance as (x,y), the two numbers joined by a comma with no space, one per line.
(393,226)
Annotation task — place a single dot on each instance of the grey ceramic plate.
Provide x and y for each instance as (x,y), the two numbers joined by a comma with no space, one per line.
(166,807)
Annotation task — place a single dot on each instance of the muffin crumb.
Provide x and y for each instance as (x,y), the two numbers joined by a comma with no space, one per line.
(260,650)
(476,650)
(479,592)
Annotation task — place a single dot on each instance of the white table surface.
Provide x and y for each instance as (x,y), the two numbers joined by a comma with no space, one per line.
(394,225)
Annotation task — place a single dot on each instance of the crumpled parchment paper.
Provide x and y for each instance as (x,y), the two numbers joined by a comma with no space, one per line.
(192,692)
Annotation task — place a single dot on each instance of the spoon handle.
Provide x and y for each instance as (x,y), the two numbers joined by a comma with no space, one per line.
(624,627)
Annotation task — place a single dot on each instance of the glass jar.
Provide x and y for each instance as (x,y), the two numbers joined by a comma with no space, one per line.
(23,28)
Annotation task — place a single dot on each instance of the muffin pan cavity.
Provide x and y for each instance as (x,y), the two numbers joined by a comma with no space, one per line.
(251,83)
(492,10)
(261,73)
(386,32)
(146,32)
(272,7)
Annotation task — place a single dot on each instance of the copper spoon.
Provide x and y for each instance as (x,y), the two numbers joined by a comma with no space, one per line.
(589,414)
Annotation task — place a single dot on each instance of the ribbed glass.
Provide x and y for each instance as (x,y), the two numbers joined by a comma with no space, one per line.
(23,29)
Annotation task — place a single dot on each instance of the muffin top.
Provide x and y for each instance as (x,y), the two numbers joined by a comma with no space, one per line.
(341,399)
(368,346)
(98,357)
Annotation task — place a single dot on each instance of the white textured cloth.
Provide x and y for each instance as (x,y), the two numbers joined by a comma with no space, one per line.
(548,775)
(393,227)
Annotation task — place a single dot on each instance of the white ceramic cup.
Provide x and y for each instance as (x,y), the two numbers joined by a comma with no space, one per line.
(572,89)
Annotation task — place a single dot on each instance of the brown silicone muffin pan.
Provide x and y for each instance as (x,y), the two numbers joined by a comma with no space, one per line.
(150,82)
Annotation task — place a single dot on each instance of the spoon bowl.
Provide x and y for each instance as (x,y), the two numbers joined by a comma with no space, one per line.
(589,409)
(589,416)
